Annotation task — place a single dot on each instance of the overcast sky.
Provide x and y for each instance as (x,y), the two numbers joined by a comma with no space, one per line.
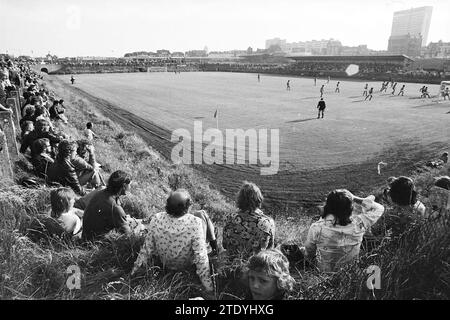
(114,27)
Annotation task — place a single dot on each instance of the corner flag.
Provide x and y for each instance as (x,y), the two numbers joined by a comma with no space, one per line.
(216,116)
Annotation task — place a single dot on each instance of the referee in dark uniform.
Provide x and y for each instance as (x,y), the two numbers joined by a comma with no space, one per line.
(321,106)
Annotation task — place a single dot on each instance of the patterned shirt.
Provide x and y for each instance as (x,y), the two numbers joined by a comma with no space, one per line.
(178,242)
(335,245)
(248,232)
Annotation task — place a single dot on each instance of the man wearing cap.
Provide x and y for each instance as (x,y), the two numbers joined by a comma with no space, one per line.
(176,240)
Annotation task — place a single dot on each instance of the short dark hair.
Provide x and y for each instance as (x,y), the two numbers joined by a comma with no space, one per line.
(39,110)
(117,181)
(177,208)
(29,110)
(339,204)
(402,191)
(60,200)
(89,125)
(33,100)
(40,145)
(249,197)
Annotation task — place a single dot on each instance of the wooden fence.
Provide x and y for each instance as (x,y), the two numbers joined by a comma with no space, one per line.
(9,124)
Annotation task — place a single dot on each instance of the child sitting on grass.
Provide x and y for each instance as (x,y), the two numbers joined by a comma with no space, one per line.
(268,276)
(62,200)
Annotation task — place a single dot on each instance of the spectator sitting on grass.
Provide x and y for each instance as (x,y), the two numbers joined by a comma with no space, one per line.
(336,238)
(29,115)
(40,113)
(249,230)
(439,197)
(403,208)
(42,130)
(177,240)
(268,276)
(104,212)
(86,151)
(31,103)
(53,110)
(26,128)
(87,172)
(42,158)
(62,200)
(62,170)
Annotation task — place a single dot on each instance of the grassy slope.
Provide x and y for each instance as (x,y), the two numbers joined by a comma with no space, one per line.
(31,271)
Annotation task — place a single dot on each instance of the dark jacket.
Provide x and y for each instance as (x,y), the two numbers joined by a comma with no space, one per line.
(53,112)
(34,135)
(27,118)
(103,214)
(321,105)
(80,164)
(63,172)
(41,163)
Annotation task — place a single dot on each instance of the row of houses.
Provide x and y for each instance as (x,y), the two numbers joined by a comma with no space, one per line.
(410,45)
